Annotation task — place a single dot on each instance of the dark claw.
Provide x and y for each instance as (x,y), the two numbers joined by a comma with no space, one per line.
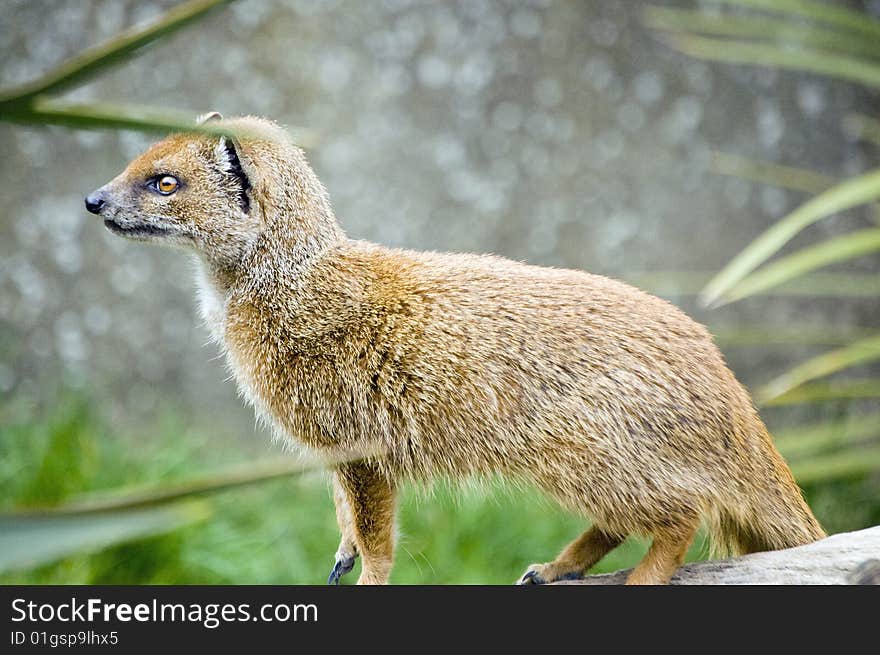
(341,567)
(335,574)
(531,577)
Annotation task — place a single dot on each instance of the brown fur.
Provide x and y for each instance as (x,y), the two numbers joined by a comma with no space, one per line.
(612,401)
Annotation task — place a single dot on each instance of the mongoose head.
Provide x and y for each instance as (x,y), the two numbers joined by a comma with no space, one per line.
(217,195)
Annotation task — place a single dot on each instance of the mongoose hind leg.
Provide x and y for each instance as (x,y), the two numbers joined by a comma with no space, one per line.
(577,557)
(366,520)
(665,555)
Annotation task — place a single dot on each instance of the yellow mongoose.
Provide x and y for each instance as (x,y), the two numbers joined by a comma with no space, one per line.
(610,400)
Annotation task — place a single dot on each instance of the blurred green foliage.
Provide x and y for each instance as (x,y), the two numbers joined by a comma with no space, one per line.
(279,532)
(284,531)
(818,38)
(806,36)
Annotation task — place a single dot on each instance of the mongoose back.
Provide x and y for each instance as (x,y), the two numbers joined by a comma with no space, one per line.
(610,400)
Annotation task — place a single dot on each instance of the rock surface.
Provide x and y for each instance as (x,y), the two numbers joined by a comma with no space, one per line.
(846,558)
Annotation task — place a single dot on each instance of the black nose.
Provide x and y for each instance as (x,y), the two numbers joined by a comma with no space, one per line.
(94,202)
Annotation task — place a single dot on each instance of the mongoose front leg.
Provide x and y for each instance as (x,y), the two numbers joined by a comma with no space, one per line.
(347,551)
(366,520)
(577,557)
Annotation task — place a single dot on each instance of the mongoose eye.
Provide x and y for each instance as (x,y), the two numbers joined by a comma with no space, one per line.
(167,184)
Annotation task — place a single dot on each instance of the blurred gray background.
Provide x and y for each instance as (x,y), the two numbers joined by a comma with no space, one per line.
(559,133)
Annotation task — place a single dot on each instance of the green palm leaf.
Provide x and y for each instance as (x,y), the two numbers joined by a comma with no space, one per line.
(842,248)
(792,177)
(45,111)
(79,69)
(851,193)
(787,335)
(28,540)
(761,28)
(31,104)
(828,391)
(820,283)
(824,12)
(802,440)
(850,463)
(770,173)
(808,60)
(863,351)
(36,536)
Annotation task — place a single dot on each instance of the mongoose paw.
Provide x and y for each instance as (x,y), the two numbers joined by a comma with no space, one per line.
(552,572)
(531,577)
(344,564)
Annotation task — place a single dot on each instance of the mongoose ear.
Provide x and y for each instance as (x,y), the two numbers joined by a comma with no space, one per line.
(210,116)
(228,162)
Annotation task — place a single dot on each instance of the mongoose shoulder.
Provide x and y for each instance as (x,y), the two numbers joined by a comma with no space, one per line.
(612,401)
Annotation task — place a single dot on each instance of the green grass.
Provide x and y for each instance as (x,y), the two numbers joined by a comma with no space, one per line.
(284,531)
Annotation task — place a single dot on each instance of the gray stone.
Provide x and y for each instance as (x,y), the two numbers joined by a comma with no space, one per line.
(846,558)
